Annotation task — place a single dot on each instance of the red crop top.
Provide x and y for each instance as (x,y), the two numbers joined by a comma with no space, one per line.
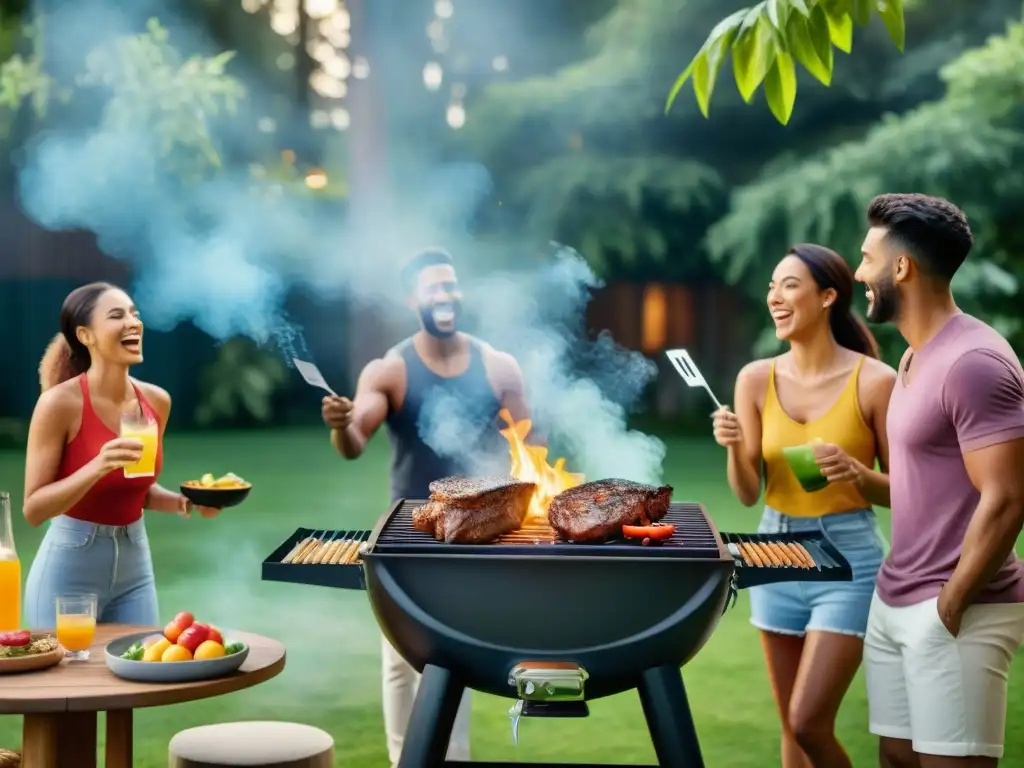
(115,499)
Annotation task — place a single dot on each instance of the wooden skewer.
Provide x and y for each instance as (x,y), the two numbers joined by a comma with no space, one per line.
(324,549)
(296,556)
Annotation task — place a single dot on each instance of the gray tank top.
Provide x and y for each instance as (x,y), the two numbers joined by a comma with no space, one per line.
(445,427)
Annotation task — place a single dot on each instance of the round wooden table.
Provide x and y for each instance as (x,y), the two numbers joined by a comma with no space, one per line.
(60,703)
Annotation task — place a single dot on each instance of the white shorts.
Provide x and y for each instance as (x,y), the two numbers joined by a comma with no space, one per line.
(945,694)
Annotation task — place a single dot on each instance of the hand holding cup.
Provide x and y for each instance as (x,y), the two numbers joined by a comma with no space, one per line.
(118,453)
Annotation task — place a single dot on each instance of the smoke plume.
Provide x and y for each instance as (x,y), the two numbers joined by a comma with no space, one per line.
(219,254)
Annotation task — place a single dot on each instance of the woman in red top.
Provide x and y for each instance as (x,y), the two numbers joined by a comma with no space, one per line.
(96,539)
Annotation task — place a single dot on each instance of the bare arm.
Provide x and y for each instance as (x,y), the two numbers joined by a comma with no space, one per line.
(984,398)
(369,408)
(744,459)
(874,484)
(512,389)
(160,499)
(45,496)
(998,474)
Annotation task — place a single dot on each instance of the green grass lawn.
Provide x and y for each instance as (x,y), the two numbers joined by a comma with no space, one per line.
(332,679)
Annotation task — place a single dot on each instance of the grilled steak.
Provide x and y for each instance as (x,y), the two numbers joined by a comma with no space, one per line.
(473,510)
(596,511)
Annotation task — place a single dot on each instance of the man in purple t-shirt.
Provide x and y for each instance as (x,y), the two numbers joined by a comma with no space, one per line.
(948,611)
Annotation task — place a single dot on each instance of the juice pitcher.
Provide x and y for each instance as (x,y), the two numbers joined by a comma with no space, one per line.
(10,570)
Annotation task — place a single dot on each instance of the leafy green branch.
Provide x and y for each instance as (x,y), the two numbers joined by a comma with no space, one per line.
(149,85)
(968,145)
(767,41)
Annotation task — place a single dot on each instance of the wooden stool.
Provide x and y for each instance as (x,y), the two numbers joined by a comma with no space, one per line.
(270,744)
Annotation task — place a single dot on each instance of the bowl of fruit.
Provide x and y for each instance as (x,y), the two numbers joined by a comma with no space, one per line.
(187,650)
(216,492)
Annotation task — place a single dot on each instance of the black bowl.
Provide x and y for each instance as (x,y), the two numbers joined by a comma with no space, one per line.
(216,498)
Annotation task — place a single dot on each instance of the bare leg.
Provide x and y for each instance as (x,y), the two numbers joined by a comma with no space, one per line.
(827,666)
(782,654)
(897,753)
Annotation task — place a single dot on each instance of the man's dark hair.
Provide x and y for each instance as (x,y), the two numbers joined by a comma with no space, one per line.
(428,257)
(933,231)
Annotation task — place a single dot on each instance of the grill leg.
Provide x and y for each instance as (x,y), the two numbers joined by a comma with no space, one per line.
(669,720)
(433,716)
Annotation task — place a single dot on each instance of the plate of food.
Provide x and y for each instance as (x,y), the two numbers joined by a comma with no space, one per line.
(217,492)
(27,651)
(186,651)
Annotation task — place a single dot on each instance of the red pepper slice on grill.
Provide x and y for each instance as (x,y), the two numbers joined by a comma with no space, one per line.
(16,639)
(654,532)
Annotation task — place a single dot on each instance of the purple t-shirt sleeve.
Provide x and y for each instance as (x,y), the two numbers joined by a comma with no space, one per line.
(983,397)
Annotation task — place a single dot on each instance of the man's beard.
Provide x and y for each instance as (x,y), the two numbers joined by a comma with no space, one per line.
(430,312)
(886,305)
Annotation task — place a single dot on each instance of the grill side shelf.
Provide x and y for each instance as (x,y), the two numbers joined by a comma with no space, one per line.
(341,567)
(771,558)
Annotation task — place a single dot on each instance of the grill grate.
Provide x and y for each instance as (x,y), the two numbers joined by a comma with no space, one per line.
(693,538)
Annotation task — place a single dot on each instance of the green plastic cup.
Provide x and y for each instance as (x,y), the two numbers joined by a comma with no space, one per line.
(801,460)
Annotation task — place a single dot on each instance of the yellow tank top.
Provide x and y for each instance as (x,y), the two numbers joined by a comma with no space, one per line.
(843,424)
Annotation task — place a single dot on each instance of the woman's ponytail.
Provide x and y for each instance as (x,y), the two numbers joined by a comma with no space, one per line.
(852,332)
(59,363)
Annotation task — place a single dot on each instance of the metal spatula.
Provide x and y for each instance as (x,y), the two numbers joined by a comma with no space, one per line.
(690,372)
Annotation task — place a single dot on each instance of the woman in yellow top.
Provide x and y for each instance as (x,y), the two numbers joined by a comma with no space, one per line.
(829,387)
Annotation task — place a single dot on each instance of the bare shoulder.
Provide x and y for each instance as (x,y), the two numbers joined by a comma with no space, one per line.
(61,402)
(502,366)
(877,375)
(384,373)
(159,397)
(877,370)
(755,374)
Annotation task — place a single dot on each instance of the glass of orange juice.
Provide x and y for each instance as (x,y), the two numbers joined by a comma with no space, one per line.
(76,625)
(147,432)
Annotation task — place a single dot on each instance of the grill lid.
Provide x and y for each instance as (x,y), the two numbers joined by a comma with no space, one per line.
(693,538)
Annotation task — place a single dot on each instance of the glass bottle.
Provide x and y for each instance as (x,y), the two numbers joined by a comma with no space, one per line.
(10,570)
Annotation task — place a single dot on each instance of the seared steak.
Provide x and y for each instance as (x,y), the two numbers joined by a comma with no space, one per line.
(596,511)
(473,510)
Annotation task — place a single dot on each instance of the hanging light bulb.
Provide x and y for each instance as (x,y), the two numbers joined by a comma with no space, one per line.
(433,75)
(456,116)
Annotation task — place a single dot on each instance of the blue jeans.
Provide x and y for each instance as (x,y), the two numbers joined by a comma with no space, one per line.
(112,562)
(797,607)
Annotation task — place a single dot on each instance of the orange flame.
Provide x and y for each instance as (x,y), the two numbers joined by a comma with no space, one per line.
(530,465)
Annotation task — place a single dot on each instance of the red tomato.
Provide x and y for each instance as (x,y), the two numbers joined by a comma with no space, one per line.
(653,532)
(184,620)
(16,639)
(215,635)
(193,637)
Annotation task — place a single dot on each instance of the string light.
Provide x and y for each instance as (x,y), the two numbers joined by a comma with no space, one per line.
(443,9)
(433,75)
(328,36)
(456,116)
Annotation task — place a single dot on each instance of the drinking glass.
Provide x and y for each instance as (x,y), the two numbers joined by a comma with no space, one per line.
(147,432)
(76,625)
(805,466)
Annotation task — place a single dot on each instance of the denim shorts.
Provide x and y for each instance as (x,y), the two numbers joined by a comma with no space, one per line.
(797,607)
(109,561)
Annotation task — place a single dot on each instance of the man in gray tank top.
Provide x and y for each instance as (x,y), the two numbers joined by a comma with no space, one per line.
(439,392)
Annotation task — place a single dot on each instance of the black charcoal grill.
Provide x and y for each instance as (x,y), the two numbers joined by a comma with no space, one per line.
(552,624)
